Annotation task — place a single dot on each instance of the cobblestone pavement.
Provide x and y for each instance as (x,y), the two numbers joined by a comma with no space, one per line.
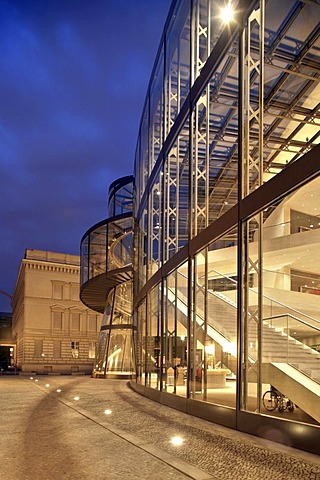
(97,429)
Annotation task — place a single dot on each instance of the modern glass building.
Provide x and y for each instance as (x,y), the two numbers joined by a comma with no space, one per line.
(226,217)
(106,282)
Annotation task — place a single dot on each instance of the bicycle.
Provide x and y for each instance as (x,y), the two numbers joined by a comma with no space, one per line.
(273,399)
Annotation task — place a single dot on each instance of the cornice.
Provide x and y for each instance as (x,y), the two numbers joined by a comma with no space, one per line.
(72,269)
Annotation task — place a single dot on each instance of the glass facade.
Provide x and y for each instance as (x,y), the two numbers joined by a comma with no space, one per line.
(106,282)
(225,302)
(226,277)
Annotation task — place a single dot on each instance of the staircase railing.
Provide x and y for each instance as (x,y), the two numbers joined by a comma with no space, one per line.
(300,331)
(303,317)
(213,330)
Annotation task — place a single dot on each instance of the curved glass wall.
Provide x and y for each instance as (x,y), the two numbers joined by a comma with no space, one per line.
(94,252)
(115,355)
(106,247)
(282,350)
(226,217)
(106,281)
(121,196)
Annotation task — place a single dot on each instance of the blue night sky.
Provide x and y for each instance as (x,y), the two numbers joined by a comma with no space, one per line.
(72,86)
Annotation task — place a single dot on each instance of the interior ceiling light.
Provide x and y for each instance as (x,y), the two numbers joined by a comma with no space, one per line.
(227,13)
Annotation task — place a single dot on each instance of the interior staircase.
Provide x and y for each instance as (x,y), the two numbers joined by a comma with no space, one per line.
(290,366)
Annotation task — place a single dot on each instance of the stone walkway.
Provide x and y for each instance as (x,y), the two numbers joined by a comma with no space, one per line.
(96,429)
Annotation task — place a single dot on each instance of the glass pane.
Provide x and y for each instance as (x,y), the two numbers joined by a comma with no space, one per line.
(97,253)
(177,61)
(84,260)
(122,305)
(175,334)
(120,197)
(155,228)
(119,354)
(100,361)
(156,111)
(141,341)
(153,358)
(291,323)
(119,243)
(214,325)
(108,310)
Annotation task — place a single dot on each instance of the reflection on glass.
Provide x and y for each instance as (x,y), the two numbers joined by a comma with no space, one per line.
(290,328)
(214,326)
(174,361)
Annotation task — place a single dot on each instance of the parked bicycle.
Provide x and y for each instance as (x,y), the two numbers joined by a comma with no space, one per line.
(273,399)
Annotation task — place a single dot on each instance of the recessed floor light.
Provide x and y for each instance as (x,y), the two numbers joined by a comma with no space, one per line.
(177,441)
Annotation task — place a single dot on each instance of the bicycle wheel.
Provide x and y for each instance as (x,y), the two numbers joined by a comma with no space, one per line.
(270,400)
(282,404)
(290,406)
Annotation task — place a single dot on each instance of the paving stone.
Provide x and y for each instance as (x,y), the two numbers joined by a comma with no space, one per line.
(47,435)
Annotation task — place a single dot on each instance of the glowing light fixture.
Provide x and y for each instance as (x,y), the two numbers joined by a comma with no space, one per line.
(177,441)
(210,349)
(227,13)
(76,398)
(31,378)
(47,385)
(58,390)
(108,411)
(36,380)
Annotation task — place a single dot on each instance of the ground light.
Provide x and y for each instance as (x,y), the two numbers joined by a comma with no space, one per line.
(177,441)
(76,398)
(108,412)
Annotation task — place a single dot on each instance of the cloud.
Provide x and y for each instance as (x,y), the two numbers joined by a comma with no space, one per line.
(72,87)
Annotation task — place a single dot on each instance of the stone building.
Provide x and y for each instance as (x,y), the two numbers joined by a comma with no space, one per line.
(6,342)
(53,331)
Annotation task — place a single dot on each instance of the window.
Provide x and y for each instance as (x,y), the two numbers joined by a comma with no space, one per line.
(38,348)
(92,350)
(92,323)
(74,292)
(75,349)
(58,291)
(57,320)
(75,321)
(56,349)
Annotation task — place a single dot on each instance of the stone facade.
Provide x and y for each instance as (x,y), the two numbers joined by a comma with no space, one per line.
(54,332)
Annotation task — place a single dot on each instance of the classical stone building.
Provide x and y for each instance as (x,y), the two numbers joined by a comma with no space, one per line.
(6,342)
(53,331)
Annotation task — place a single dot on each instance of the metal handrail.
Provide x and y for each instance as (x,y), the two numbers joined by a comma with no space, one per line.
(294,318)
(264,296)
